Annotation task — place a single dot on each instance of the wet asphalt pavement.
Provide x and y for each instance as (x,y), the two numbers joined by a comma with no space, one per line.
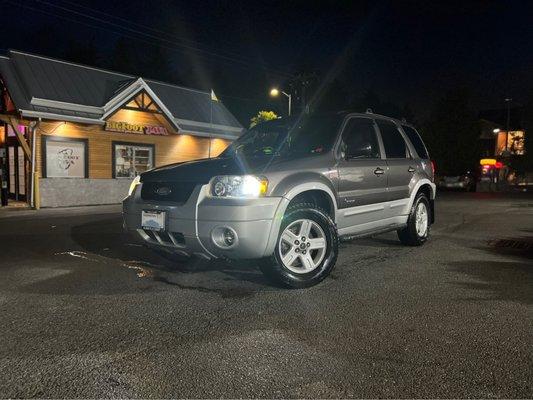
(85,311)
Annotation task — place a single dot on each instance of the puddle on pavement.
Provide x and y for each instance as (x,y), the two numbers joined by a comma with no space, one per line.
(523,205)
(142,268)
(77,254)
(522,246)
(145,269)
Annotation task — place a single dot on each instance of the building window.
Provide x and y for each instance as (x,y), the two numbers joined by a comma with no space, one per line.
(131,159)
(65,157)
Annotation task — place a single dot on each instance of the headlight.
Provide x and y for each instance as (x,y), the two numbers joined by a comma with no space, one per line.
(134,184)
(238,186)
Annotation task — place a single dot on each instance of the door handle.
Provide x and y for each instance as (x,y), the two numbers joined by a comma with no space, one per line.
(379,171)
(411,169)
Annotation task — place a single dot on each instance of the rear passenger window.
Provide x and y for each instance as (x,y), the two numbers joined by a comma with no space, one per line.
(417,142)
(393,142)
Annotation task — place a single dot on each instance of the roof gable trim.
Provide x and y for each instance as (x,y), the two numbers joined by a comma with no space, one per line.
(130,91)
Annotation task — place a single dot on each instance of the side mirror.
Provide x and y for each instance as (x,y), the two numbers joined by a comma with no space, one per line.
(364,150)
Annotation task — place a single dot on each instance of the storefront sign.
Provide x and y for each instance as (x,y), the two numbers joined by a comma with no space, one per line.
(126,127)
(487,161)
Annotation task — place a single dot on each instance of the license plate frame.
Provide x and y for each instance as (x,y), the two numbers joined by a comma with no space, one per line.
(154,220)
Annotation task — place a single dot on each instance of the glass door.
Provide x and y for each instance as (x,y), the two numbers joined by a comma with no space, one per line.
(17,173)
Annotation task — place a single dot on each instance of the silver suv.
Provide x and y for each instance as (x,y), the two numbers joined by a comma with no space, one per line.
(286,191)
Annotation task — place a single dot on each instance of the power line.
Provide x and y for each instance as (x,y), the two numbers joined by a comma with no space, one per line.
(153,37)
(245,99)
(149,28)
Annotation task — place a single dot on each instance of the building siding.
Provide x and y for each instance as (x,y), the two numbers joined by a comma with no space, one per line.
(168,149)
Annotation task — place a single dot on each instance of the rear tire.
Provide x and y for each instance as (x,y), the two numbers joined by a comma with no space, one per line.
(306,250)
(416,233)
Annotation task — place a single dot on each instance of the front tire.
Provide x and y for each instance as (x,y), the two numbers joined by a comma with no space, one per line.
(306,250)
(416,233)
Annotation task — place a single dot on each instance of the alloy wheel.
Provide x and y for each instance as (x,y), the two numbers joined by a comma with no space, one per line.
(421,219)
(302,246)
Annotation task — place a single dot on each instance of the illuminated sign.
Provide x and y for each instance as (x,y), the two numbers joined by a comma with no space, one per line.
(511,142)
(126,127)
(488,161)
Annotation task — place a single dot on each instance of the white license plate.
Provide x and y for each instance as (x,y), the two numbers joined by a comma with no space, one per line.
(153,220)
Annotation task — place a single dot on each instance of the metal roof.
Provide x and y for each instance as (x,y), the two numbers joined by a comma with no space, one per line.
(54,89)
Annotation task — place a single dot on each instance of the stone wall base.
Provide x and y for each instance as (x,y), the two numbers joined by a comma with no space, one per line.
(68,192)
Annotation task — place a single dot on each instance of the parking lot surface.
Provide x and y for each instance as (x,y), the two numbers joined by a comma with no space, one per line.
(86,311)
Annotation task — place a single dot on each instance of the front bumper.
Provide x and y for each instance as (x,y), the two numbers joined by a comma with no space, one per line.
(189,226)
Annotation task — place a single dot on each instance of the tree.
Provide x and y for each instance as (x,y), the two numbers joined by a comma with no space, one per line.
(262,116)
(123,58)
(370,100)
(334,97)
(146,60)
(452,133)
(83,52)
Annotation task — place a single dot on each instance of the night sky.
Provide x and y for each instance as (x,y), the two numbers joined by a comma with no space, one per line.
(408,53)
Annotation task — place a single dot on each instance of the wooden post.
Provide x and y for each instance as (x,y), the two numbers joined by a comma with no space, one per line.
(21,139)
(37,194)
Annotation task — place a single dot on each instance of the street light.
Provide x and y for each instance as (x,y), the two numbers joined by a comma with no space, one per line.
(274,92)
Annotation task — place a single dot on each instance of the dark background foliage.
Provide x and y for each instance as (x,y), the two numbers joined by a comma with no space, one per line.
(434,63)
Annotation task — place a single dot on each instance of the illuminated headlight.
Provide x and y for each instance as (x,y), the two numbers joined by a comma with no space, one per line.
(238,186)
(134,184)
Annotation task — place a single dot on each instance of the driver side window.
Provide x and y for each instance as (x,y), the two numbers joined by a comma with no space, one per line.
(359,140)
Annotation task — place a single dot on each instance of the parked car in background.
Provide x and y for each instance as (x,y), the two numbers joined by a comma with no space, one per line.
(287,190)
(466,182)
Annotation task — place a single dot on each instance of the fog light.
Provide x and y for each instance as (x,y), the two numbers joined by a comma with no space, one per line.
(229,237)
(224,237)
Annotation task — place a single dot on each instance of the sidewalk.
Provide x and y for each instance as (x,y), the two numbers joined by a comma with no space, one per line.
(16,212)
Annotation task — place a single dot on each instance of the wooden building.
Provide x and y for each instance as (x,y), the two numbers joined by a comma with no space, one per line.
(77,135)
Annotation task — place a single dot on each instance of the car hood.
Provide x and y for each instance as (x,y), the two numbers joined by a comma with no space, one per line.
(201,171)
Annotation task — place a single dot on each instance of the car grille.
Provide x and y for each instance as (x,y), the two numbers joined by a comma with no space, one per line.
(165,238)
(176,192)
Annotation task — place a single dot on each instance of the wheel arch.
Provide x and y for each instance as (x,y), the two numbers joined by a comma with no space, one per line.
(321,193)
(429,189)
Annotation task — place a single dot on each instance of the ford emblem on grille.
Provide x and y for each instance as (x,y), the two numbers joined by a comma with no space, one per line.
(163,191)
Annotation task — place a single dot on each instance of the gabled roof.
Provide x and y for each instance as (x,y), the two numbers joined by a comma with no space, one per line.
(54,89)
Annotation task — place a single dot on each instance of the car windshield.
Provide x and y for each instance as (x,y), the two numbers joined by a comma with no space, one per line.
(305,136)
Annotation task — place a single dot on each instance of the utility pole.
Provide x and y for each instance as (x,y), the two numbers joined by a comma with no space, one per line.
(508,101)
(302,83)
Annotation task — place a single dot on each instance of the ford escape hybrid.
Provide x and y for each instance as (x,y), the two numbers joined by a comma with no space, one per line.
(286,191)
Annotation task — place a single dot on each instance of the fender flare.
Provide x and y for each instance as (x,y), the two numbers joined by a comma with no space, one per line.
(282,207)
(305,187)
(419,184)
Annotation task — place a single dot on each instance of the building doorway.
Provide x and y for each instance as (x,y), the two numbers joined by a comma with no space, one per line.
(16,165)
(17,179)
